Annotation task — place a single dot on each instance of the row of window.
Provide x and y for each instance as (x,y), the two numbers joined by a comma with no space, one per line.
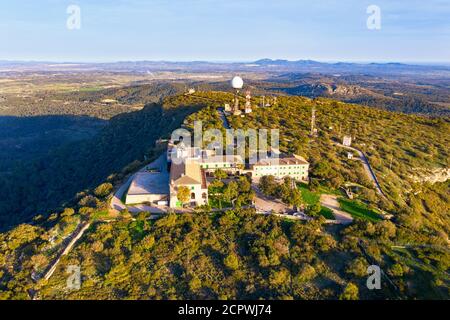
(283,174)
(204,196)
(280,168)
(226,165)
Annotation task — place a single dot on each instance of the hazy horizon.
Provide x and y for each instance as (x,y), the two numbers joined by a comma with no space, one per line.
(418,63)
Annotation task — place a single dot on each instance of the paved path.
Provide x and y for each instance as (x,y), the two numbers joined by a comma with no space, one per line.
(264,203)
(224,119)
(74,238)
(367,167)
(330,201)
(116,203)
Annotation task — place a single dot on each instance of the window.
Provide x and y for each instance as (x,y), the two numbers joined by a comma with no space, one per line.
(192,196)
(204,195)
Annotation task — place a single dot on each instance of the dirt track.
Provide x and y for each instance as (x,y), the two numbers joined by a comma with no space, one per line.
(330,201)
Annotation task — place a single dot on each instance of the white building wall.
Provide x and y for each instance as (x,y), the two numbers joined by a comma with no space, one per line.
(140,198)
(194,189)
(296,171)
(218,165)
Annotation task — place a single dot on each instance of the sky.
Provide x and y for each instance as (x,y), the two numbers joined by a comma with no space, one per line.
(225,30)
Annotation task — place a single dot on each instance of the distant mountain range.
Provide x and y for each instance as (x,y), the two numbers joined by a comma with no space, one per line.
(263,65)
(394,86)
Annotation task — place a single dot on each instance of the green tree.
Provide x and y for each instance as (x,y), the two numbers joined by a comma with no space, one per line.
(68,212)
(89,201)
(231,261)
(183,194)
(216,186)
(195,284)
(314,210)
(396,270)
(307,273)
(279,277)
(268,185)
(148,242)
(103,190)
(220,174)
(244,185)
(231,192)
(322,169)
(357,267)
(351,292)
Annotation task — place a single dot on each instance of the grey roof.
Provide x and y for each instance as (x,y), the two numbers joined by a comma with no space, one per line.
(149,183)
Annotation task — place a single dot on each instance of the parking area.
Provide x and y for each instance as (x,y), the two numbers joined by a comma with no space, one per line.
(264,203)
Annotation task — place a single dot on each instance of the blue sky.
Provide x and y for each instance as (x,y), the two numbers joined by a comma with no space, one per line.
(225,30)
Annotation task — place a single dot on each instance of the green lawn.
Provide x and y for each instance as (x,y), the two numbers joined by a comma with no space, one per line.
(311,198)
(327,213)
(359,210)
(308,196)
(327,190)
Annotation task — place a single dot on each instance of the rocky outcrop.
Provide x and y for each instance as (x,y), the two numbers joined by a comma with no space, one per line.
(431,175)
(323,89)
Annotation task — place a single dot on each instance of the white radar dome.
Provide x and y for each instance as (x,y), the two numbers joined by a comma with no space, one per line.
(237,83)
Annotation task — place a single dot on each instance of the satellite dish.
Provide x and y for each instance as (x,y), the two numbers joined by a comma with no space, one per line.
(237,83)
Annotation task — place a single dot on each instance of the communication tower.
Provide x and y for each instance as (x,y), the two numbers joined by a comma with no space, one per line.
(313,123)
(248,102)
(237,83)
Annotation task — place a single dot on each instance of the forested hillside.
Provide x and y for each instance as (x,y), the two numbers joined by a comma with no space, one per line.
(238,254)
(34,188)
(25,138)
(411,95)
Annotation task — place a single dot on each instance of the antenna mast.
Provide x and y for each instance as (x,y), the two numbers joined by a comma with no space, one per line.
(313,122)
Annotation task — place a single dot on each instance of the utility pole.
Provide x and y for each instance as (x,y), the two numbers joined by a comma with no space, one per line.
(313,122)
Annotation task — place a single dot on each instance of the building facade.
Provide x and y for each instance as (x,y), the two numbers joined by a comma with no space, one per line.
(188,174)
(149,188)
(231,164)
(347,141)
(295,167)
(188,168)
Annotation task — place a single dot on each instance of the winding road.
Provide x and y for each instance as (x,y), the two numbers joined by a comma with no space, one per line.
(73,239)
(367,167)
